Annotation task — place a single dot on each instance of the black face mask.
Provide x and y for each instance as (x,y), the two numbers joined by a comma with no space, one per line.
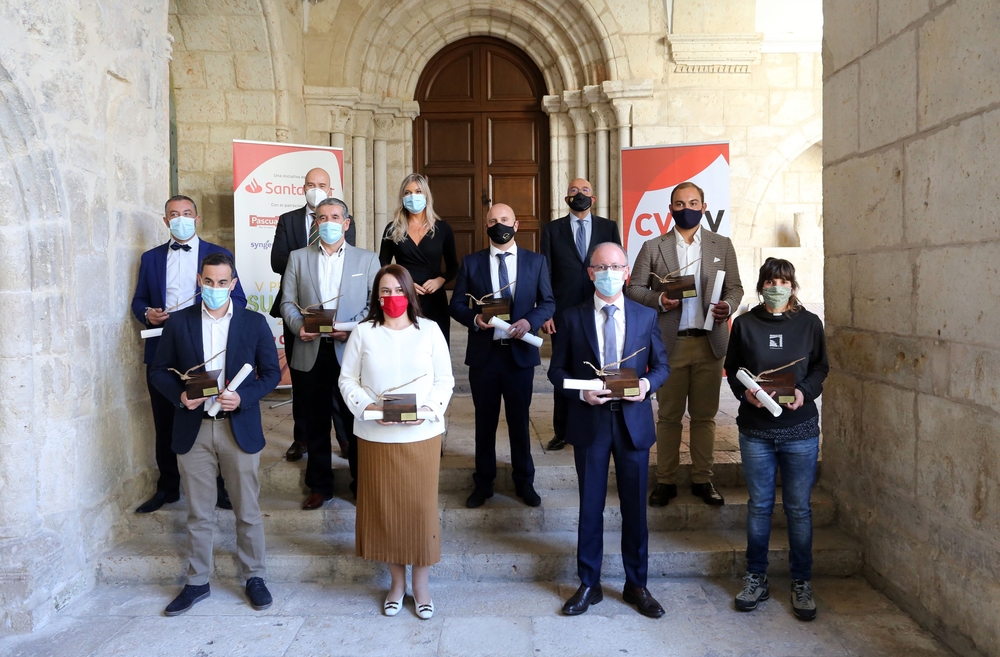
(499,233)
(686,218)
(579,202)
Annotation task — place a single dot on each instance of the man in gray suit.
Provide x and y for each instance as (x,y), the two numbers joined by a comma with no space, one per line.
(695,355)
(331,274)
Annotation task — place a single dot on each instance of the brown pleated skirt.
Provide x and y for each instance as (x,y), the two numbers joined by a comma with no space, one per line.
(397,517)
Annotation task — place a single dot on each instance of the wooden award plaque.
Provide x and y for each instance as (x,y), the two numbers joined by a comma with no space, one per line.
(681,287)
(781,383)
(319,321)
(622,383)
(202,384)
(499,308)
(399,408)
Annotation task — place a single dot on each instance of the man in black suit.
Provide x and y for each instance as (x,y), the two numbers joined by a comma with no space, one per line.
(295,230)
(567,244)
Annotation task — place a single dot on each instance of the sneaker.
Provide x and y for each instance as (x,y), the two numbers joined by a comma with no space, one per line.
(755,589)
(803,605)
(260,597)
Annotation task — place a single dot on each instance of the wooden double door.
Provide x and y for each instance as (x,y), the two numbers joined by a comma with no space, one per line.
(481,138)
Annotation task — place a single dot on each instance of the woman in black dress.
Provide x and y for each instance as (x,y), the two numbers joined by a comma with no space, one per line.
(420,241)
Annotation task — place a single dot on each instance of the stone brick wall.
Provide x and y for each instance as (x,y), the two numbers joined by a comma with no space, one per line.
(912,411)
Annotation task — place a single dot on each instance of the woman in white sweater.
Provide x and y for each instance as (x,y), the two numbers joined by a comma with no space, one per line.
(396,350)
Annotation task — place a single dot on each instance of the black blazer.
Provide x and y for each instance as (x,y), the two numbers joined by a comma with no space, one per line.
(289,235)
(570,282)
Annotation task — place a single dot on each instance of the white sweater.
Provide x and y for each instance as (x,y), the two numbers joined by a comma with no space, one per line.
(380,358)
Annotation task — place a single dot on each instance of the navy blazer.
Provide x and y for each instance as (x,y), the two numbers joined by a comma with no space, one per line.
(532,301)
(151,290)
(568,273)
(580,344)
(250,341)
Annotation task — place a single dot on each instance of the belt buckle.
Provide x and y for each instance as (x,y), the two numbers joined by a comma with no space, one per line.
(614,406)
(504,342)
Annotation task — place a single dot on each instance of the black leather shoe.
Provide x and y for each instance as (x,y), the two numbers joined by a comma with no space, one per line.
(223,501)
(257,593)
(643,601)
(187,599)
(478,498)
(582,599)
(708,494)
(555,444)
(296,451)
(529,495)
(158,499)
(662,494)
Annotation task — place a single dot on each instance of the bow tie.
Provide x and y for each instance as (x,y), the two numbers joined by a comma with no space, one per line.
(176,246)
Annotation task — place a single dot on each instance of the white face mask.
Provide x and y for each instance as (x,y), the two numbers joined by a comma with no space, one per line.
(314,196)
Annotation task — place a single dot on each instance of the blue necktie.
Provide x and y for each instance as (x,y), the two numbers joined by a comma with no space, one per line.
(581,240)
(504,278)
(610,341)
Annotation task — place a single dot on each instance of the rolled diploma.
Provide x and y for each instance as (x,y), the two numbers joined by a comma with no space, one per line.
(761,396)
(720,276)
(377,415)
(233,385)
(533,340)
(151,333)
(345,326)
(583,384)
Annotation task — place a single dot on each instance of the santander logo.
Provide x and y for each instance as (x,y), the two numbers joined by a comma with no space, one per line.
(254,187)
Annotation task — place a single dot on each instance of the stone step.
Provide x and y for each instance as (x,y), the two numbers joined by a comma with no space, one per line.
(476,556)
(559,512)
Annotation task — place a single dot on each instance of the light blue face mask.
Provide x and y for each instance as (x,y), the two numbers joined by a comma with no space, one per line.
(182,228)
(609,282)
(415,203)
(214,297)
(331,232)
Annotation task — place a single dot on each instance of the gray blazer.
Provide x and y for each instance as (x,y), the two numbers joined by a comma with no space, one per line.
(659,255)
(300,285)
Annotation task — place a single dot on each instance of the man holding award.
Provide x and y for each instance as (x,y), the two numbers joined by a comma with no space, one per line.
(511,284)
(675,275)
(217,422)
(325,288)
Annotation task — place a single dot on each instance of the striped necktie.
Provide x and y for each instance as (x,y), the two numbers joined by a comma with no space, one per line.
(313,231)
(581,240)
(504,277)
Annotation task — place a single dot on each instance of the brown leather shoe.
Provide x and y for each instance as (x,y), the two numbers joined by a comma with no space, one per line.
(315,501)
(344,447)
(643,601)
(296,451)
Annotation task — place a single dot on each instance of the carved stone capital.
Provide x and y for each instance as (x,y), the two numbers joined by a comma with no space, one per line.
(281,134)
(552,104)
(601,116)
(362,122)
(340,119)
(579,117)
(384,126)
(623,112)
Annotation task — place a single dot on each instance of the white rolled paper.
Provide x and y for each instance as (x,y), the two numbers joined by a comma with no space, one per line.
(533,340)
(345,326)
(233,385)
(720,276)
(377,415)
(583,384)
(151,333)
(761,396)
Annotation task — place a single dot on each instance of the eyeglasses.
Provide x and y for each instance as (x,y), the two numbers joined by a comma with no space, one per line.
(607,267)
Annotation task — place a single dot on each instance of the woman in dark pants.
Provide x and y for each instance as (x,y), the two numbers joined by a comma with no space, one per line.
(421,241)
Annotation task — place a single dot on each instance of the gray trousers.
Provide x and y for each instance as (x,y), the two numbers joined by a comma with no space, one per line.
(216,448)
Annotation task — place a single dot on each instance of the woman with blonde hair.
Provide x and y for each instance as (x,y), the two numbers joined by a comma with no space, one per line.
(421,241)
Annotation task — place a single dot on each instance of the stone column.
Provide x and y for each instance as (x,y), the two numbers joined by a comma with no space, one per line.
(579,117)
(340,117)
(601,184)
(623,119)
(359,162)
(552,105)
(384,125)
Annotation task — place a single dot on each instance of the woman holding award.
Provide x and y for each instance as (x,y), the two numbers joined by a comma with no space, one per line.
(421,241)
(398,358)
(782,347)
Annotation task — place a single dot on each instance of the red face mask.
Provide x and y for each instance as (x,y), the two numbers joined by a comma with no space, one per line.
(394,306)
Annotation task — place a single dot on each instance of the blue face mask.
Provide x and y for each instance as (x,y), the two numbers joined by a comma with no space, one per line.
(415,203)
(214,297)
(686,218)
(609,282)
(331,232)
(182,228)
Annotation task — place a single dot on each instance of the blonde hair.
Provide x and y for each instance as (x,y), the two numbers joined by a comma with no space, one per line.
(400,219)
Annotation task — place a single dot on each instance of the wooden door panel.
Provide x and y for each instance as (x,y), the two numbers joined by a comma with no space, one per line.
(450,141)
(527,238)
(512,141)
(456,81)
(520,192)
(452,197)
(506,81)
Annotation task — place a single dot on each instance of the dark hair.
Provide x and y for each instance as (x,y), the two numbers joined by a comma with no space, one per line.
(218,258)
(687,185)
(777,268)
(375,313)
(334,201)
(180,197)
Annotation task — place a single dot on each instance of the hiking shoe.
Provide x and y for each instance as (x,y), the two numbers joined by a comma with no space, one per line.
(803,605)
(755,589)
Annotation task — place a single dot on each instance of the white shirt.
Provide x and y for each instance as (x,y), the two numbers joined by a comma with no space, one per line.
(182,275)
(692,314)
(214,337)
(331,273)
(511,262)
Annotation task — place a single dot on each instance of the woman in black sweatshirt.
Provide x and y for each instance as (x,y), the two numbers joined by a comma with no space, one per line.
(771,336)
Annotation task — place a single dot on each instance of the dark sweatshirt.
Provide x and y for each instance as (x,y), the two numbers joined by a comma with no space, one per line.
(762,341)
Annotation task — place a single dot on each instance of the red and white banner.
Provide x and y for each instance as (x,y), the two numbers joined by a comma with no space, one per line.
(267,182)
(649,175)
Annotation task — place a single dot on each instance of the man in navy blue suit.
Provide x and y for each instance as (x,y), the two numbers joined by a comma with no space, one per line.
(500,365)
(218,334)
(604,331)
(168,282)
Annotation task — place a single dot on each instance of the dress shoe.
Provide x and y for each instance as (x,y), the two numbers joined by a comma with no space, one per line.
(478,498)
(158,499)
(257,593)
(424,612)
(708,494)
(188,597)
(315,501)
(296,451)
(662,494)
(555,444)
(391,607)
(529,496)
(643,601)
(582,599)
(344,447)
(223,501)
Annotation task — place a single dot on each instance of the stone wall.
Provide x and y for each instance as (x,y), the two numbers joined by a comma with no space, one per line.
(912,411)
(83,175)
